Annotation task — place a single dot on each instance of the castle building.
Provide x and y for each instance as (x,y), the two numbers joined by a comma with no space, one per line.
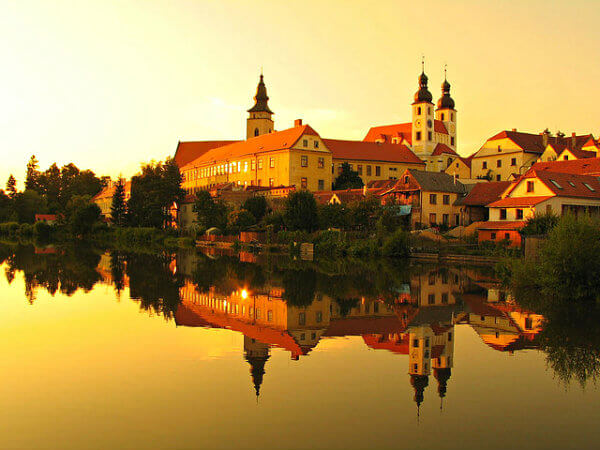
(432,133)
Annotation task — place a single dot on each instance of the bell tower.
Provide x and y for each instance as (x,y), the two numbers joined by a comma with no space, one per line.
(446,112)
(259,116)
(423,137)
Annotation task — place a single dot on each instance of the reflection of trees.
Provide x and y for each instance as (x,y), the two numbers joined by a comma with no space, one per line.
(65,271)
(299,287)
(117,270)
(153,284)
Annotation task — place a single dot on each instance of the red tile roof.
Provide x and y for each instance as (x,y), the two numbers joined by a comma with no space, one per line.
(567,184)
(587,166)
(440,149)
(580,154)
(279,140)
(373,151)
(485,193)
(439,127)
(188,151)
(534,143)
(502,225)
(404,130)
(516,202)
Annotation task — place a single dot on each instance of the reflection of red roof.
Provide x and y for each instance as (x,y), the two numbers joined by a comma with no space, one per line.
(372,151)
(516,202)
(500,225)
(43,217)
(437,350)
(485,193)
(364,325)
(188,151)
(379,342)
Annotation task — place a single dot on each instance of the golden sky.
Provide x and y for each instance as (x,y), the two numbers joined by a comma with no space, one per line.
(109,84)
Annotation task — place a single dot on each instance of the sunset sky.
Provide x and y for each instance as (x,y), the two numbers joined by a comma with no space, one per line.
(110,84)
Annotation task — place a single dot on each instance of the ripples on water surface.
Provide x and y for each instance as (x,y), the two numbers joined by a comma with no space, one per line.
(189,351)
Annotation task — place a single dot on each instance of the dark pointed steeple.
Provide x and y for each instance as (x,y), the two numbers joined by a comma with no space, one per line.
(257,370)
(423,94)
(419,383)
(261,98)
(445,101)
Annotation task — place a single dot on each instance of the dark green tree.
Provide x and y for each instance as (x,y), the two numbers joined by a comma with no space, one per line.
(333,216)
(347,179)
(11,186)
(29,203)
(257,205)
(118,208)
(210,212)
(33,174)
(6,207)
(300,211)
(240,220)
(364,213)
(81,214)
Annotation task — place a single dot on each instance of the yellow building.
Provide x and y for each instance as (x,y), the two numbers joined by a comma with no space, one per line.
(513,152)
(460,168)
(104,198)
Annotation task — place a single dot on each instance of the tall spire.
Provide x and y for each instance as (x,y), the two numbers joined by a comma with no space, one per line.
(445,101)
(261,98)
(423,94)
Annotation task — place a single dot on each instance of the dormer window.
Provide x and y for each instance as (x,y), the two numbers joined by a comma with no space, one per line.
(555,183)
(530,186)
(589,187)
(305,143)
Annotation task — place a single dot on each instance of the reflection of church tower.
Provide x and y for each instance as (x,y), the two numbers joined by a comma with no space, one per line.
(259,120)
(256,354)
(419,383)
(442,376)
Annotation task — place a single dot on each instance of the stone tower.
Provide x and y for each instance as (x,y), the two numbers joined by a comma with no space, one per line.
(259,116)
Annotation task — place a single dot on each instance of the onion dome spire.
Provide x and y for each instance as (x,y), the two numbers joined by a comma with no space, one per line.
(445,101)
(423,94)
(261,98)
(257,371)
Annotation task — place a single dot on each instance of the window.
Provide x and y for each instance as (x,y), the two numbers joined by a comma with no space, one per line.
(271,162)
(503,214)
(426,342)
(499,163)
(418,111)
(321,163)
(519,214)
(313,336)
(484,165)
(302,318)
(432,219)
(443,117)
(271,182)
(513,161)
(457,219)
(493,235)
(452,141)
(304,183)
(566,157)
(498,177)
(377,171)
(302,336)
(499,149)
(450,336)
(359,169)
(316,144)
(530,186)
(429,110)
(430,135)
(245,166)
(253,164)
(555,183)
(415,343)
(589,187)
(305,143)
(507,236)
(321,185)
(431,299)
(260,164)
(368,171)
(433,199)
(446,199)
(418,135)
(255,132)
(445,219)
(445,297)
(452,116)
(319,317)
(528,323)
(269,316)
(304,161)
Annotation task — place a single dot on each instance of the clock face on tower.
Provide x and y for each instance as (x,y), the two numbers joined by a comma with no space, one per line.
(418,123)
(429,123)
(451,128)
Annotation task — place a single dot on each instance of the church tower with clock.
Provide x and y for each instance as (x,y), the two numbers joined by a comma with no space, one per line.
(423,137)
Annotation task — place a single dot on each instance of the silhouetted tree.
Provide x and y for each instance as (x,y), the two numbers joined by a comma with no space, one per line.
(118,207)
(300,211)
(11,186)
(347,179)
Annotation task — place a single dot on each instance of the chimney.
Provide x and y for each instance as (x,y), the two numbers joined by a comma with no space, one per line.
(298,122)
(545,135)
(514,129)
(573,140)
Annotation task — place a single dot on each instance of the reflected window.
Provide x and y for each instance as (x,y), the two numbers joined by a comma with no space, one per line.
(415,343)
(450,336)
(270,316)
(431,299)
(319,316)
(302,337)
(313,336)
(302,318)
(427,342)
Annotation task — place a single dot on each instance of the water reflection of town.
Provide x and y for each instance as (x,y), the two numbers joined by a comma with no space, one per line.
(417,318)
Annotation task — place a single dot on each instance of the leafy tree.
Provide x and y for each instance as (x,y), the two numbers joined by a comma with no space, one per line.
(154,192)
(540,224)
(333,216)
(257,205)
(82,214)
(11,186)
(240,220)
(6,207)
(29,203)
(348,179)
(118,208)
(364,213)
(33,174)
(300,211)
(210,212)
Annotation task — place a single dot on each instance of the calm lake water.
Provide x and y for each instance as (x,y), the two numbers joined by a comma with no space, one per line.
(102,350)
